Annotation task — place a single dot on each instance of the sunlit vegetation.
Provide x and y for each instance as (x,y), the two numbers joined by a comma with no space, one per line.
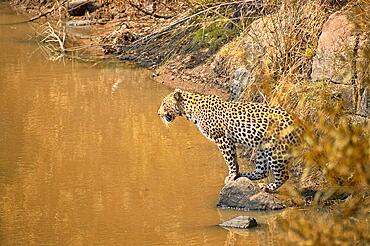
(335,149)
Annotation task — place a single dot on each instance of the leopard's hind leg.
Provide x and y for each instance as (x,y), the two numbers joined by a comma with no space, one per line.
(278,159)
(274,158)
(262,167)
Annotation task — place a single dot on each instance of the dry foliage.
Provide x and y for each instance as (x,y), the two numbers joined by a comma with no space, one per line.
(344,224)
(341,151)
(335,149)
(199,27)
(289,37)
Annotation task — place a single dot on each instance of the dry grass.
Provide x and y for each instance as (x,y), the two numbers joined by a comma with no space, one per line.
(335,149)
(345,224)
(289,36)
(341,151)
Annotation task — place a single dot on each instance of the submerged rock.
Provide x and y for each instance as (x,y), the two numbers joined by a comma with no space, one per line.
(241,222)
(244,194)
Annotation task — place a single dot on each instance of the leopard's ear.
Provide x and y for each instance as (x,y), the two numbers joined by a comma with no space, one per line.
(177,95)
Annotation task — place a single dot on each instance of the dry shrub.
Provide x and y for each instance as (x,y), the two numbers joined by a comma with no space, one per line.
(307,100)
(199,29)
(288,38)
(335,150)
(341,152)
(163,8)
(333,143)
(345,224)
(359,12)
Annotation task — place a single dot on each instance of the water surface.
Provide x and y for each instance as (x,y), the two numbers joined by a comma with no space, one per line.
(85,160)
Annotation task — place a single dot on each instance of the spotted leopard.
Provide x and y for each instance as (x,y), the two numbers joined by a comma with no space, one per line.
(270,130)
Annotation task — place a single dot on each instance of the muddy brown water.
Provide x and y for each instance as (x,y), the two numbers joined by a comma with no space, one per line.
(85,160)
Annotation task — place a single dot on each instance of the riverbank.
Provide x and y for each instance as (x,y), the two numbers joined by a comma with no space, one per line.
(97,34)
(243,50)
(311,60)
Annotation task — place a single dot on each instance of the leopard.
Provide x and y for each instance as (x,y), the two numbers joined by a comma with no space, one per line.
(270,130)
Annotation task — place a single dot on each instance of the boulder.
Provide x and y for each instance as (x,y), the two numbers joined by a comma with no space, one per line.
(335,51)
(243,194)
(238,84)
(240,222)
(340,59)
(259,46)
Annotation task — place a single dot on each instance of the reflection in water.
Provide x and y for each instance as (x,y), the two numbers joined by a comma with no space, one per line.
(86,160)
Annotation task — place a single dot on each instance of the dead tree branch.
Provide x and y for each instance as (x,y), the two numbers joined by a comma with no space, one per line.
(149,13)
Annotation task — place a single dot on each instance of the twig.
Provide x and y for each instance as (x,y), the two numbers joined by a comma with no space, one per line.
(178,22)
(149,13)
(42,14)
(52,41)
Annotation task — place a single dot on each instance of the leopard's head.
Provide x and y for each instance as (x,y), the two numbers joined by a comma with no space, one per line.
(171,106)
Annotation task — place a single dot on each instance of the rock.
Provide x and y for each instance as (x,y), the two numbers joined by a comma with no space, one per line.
(345,94)
(79,7)
(244,194)
(238,83)
(246,87)
(241,222)
(334,54)
(311,194)
(78,23)
(340,58)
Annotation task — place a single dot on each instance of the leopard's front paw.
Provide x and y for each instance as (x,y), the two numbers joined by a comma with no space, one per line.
(270,188)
